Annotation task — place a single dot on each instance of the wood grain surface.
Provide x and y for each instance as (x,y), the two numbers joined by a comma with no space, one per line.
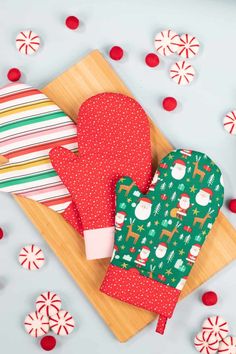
(90,76)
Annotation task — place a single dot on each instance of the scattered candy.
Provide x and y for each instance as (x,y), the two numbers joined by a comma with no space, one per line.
(62,323)
(27,42)
(152,60)
(232,205)
(182,73)
(169,103)
(166,42)
(216,325)
(36,324)
(31,257)
(230,122)
(209,298)
(206,343)
(48,343)
(188,46)
(1,233)
(116,53)
(48,304)
(228,345)
(72,22)
(14,74)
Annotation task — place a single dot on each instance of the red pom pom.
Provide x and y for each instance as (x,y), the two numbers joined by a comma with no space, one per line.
(232,205)
(72,22)
(209,298)
(48,343)
(116,53)
(169,103)
(152,60)
(14,74)
(1,233)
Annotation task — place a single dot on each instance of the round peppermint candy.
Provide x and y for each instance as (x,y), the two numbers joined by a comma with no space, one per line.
(31,257)
(188,46)
(62,323)
(182,73)
(166,42)
(230,122)
(36,324)
(206,343)
(216,325)
(228,345)
(27,42)
(48,303)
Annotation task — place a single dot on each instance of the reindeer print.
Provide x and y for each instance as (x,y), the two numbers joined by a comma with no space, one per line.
(197,171)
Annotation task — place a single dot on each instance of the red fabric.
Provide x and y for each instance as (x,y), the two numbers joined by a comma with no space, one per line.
(161,324)
(132,287)
(114,141)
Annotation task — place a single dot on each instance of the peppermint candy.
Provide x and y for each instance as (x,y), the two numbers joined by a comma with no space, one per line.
(48,304)
(188,46)
(27,42)
(228,345)
(206,343)
(216,325)
(182,73)
(166,42)
(36,324)
(31,257)
(62,323)
(230,122)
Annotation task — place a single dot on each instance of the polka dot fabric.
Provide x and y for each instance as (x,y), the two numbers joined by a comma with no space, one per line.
(114,141)
(132,287)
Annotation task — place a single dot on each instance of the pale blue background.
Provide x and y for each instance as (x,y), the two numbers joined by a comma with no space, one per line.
(196,124)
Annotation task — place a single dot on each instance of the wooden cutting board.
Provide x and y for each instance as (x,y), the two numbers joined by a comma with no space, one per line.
(90,76)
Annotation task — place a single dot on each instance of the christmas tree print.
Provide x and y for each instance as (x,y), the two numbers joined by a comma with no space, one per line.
(211,180)
(157,209)
(173,196)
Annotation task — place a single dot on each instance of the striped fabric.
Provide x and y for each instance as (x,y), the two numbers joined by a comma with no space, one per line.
(30,125)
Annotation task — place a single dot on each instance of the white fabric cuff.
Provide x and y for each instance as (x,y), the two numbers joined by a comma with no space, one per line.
(99,242)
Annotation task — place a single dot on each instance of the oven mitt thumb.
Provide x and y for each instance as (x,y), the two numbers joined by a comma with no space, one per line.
(159,235)
(113,140)
(30,125)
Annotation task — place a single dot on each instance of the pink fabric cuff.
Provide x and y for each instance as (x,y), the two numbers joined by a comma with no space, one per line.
(99,242)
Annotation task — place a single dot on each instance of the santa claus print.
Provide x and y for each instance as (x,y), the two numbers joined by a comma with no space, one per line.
(204,196)
(178,170)
(193,253)
(120,220)
(142,257)
(143,209)
(183,205)
(161,250)
(155,179)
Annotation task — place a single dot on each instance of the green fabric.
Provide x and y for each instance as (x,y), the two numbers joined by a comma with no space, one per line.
(198,178)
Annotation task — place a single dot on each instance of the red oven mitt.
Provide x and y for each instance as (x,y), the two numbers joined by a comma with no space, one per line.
(113,140)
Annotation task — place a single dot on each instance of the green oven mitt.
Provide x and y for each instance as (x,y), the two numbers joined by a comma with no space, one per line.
(159,235)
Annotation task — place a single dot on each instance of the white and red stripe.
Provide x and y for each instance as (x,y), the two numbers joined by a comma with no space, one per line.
(228,345)
(216,325)
(31,257)
(206,343)
(182,73)
(62,323)
(27,42)
(36,324)
(166,42)
(230,122)
(188,46)
(48,303)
